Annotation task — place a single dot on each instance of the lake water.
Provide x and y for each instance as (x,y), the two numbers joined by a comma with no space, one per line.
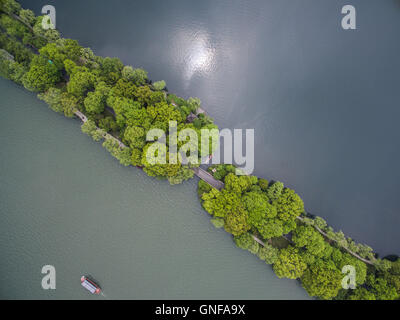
(324,105)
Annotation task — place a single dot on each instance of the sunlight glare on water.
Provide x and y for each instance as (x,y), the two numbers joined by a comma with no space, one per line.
(199,55)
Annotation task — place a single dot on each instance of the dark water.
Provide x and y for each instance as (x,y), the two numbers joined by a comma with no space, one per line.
(324,105)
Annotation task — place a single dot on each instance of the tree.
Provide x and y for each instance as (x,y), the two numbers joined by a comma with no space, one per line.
(383,264)
(361,293)
(322,280)
(220,171)
(9,68)
(392,279)
(381,288)
(289,206)
(162,113)
(221,203)
(17,72)
(20,53)
(52,35)
(271,228)
(110,69)
(138,76)
(203,187)
(262,214)
(61,50)
(236,222)
(275,190)
(289,264)
(39,33)
(53,98)
(95,102)
(122,154)
(127,73)
(41,76)
(135,137)
(89,127)
(320,223)
(69,103)
(159,85)
(245,241)
(396,267)
(70,48)
(269,254)
(81,82)
(238,184)
(54,53)
(183,174)
(27,16)
(217,222)
(263,184)
(258,206)
(13,27)
(308,237)
(71,67)
(154,96)
(154,154)
(143,95)
(343,258)
(88,58)
(193,104)
(123,88)
(108,124)
(10,6)
(209,201)
(136,157)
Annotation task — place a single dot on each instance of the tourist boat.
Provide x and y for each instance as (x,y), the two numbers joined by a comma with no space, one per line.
(90,285)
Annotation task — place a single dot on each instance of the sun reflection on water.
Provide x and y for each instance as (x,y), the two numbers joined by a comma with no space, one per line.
(198,56)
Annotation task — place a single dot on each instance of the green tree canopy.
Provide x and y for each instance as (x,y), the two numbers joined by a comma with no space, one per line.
(269,254)
(275,190)
(138,76)
(289,264)
(308,237)
(81,82)
(159,85)
(41,76)
(322,280)
(53,98)
(95,101)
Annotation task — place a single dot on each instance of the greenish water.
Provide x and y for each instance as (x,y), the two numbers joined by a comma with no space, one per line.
(324,105)
(66,202)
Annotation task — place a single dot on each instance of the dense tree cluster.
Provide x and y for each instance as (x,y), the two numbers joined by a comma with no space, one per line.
(122,105)
(118,100)
(268,220)
(9,68)
(244,205)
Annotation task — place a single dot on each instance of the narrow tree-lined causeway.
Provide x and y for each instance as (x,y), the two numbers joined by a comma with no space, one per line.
(119,105)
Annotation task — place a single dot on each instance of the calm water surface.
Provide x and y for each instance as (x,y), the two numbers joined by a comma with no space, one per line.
(323,102)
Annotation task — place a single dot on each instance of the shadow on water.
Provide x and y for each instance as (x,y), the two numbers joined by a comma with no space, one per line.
(392,257)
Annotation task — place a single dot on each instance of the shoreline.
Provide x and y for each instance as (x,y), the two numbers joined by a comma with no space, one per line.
(113,144)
